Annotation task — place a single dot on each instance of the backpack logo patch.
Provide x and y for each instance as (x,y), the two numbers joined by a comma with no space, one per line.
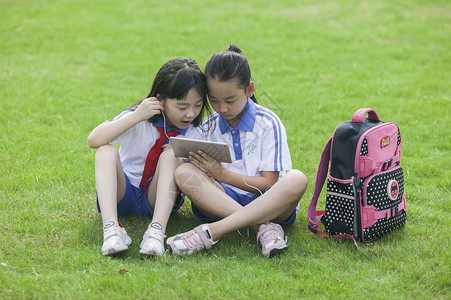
(392,190)
(385,142)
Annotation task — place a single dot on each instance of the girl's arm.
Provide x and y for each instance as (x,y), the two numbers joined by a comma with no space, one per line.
(105,133)
(216,170)
(268,178)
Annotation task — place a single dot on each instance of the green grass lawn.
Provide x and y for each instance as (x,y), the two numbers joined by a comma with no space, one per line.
(67,66)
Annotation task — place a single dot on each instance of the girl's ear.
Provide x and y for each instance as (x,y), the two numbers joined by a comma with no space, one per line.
(159,98)
(250,89)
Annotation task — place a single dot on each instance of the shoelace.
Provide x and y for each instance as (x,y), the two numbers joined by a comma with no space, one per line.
(269,236)
(192,239)
(244,236)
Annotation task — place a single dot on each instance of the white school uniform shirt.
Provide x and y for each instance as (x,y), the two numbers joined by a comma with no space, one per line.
(258,142)
(136,143)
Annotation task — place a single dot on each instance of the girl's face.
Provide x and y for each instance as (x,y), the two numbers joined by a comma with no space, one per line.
(180,113)
(228,99)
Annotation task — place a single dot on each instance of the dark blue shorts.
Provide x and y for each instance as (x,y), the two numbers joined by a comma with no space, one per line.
(243,200)
(135,202)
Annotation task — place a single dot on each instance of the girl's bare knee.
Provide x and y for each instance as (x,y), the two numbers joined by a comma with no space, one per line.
(190,180)
(167,155)
(296,182)
(106,153)
(183,174)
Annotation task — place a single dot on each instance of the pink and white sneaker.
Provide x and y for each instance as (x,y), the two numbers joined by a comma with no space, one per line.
(272,239)
(191,241)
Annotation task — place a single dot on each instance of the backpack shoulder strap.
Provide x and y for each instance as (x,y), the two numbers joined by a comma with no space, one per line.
(319,182)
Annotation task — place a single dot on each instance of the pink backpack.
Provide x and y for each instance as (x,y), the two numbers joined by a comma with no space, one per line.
(365,184)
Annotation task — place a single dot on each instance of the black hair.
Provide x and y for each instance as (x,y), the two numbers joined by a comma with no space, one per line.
(230,64)
(175,79)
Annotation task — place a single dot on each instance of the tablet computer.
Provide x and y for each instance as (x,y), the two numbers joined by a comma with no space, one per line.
(218,151)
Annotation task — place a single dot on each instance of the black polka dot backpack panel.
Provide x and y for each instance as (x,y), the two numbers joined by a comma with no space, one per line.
(340,208)
(384,206)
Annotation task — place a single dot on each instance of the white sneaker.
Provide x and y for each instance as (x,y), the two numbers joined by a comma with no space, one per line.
(153,240)
(115,238)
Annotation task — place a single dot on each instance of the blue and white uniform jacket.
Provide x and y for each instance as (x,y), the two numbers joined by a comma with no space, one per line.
(258,142)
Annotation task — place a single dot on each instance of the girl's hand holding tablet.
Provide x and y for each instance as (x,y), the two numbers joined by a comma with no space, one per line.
(208,165)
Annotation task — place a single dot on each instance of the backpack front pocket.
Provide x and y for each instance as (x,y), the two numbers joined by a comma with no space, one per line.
(339,216)
(384,205)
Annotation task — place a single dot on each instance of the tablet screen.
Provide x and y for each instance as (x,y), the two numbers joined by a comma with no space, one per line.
(218,151)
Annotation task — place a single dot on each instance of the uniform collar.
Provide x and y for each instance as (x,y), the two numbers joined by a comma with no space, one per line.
(159,123)
(247,120)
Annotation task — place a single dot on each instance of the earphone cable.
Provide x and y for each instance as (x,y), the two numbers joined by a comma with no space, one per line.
(244,178)
(164,124)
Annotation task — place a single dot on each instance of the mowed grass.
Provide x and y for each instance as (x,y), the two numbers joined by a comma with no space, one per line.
(67,66)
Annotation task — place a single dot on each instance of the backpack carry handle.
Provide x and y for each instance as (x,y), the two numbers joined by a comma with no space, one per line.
(359,115)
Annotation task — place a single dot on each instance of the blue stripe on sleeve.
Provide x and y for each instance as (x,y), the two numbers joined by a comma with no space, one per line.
(121,114)
(277,138)
(210,118)
(279,129)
